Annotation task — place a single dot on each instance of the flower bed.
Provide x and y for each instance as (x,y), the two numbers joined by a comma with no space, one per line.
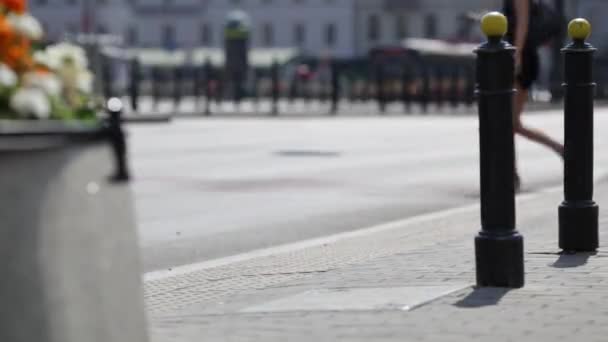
(36,81)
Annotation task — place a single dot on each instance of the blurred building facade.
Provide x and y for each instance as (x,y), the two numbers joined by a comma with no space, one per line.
(596,11)
(337,27)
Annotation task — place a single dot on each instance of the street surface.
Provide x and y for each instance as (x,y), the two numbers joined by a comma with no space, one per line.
(208,188)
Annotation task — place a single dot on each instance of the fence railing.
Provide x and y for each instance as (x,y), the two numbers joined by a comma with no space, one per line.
(416,85)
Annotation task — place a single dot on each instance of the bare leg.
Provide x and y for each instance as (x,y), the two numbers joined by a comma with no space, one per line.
(521,97)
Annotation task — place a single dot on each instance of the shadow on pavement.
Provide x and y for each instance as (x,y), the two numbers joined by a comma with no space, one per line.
(482,296)
(568,260)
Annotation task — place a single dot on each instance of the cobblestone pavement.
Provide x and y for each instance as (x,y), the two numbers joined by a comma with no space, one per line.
(407,281)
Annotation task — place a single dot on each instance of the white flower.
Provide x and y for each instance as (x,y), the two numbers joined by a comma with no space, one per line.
(65,54)
(8,78)
(49,83)
(31,102)
(44,58)
(85,81)
(27,25)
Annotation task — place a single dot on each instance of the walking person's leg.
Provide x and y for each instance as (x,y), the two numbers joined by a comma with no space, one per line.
(525,78)
(535,135)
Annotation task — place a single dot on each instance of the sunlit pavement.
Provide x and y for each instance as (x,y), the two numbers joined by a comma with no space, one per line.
(210,188)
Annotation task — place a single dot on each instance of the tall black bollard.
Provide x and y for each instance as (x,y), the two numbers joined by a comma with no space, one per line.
(274,77)
(197,79)
(578,214)
(118,140)
(499,252)
(453,86)
(335,87)
(135,79)
(425,91)
(207,80)
(177,87)
(405,87)
(156,86)
(380,95)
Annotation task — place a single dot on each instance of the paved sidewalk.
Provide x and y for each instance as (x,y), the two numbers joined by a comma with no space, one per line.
(405,281)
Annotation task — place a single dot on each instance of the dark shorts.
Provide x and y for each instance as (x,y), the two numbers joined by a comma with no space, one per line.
(529,68)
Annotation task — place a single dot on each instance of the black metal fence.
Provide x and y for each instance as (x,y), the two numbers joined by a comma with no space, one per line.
(410,81)
(417,83)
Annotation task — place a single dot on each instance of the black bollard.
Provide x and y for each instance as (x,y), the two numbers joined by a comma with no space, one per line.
(118,140)
(452,88)
(335,87)
(207,81)
(274,77)
(425,91)
(177,87)
(578,214)
(438,77)
(405,87)
(499,252)
(135,78)
(156,86)
(380,95)
(198,74)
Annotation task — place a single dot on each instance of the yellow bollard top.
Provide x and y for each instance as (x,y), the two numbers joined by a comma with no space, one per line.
(494,24)
(579,29)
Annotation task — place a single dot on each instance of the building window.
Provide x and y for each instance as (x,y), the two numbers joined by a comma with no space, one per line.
(168,36)
(299,34)
(101,29)
(132,36)
(267,34)
(330,35)
(71,28)
(400,27)
(373,28)
(430,26)
(206,34)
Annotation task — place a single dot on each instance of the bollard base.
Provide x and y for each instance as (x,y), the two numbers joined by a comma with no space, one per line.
(499,260)
(578,226)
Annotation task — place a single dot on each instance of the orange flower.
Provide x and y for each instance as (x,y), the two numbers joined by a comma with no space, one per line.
(17,6)
(16,54)
(5,28)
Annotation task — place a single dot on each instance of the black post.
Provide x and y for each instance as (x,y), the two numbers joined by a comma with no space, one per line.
(335,87)
(255,96)
(156,86)
(405,87)
(118,140)
(578,214)
(134,85)
(453,86)
(438,90)
(207,80)
(380,96)
(425,92)
(198,77)
(499,252)
(177,87)
(274,75)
